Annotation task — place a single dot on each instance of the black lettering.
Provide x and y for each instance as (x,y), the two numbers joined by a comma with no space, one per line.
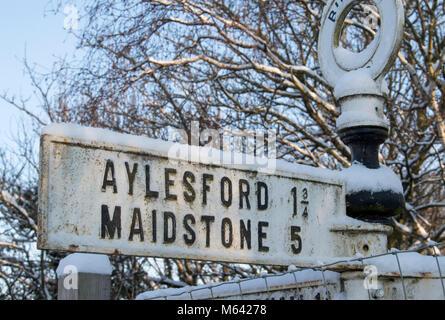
(226,242)
(169,216)
(153,227)
(149,193)
(187,220)
(262,205)
(294,196)
(110,226)
(226,202)
(187,180)
(305,194)
(244,193)
(131,175)
(207,220)
(296,249)
(245,234)
(140,229)
(332,15)
(169,183)
(305,213)
(106,182)
(205,186)
(262,235)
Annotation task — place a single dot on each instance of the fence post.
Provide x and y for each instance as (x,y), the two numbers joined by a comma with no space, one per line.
(84,277)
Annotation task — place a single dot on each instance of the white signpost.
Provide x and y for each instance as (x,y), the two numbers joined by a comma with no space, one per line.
(110,193)
(102,192)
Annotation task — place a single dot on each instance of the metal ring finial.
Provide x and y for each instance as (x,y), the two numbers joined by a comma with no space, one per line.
(377,58)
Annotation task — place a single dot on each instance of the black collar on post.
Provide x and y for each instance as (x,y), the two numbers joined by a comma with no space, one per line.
(369,205)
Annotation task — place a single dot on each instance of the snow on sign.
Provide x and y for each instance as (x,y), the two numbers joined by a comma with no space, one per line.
(103,192)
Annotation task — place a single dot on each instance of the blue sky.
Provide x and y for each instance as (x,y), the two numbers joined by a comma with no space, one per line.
(31,26)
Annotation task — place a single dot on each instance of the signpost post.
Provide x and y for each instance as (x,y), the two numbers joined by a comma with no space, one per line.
(359,85)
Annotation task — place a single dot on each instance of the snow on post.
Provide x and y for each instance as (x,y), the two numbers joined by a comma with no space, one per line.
(84,276)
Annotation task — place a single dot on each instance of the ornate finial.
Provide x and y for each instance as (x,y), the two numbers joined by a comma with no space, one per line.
(359,87)
(377,58)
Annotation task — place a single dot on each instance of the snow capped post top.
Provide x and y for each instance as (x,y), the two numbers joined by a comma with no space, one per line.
(360,89)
